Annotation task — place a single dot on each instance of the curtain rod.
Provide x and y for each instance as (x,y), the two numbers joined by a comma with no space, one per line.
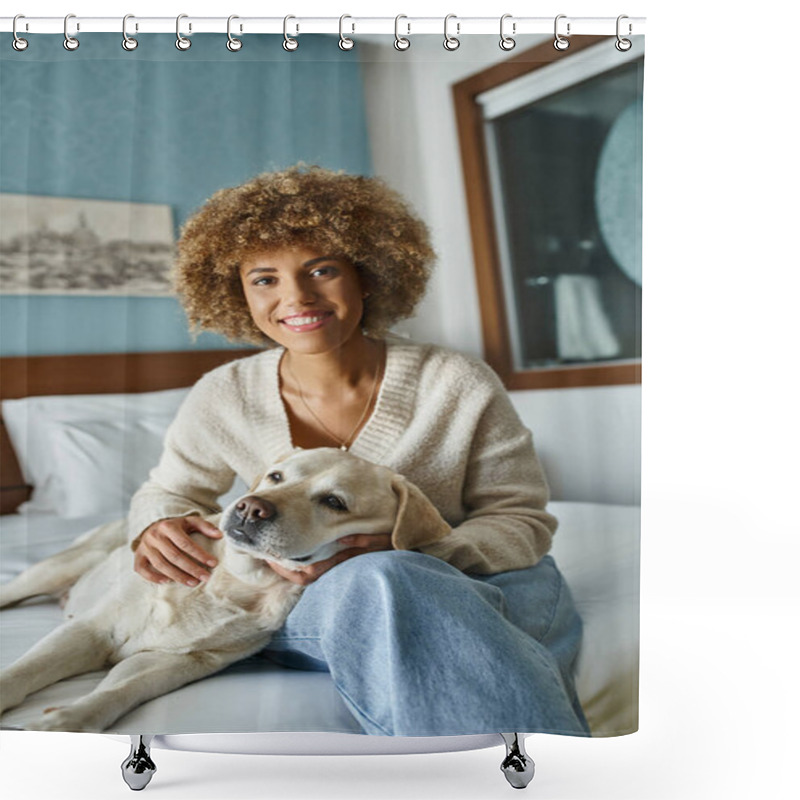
(348,25)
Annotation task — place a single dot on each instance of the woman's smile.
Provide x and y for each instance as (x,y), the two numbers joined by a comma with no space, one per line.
(308,321)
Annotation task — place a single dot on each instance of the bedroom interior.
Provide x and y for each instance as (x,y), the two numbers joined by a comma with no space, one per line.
(83,376)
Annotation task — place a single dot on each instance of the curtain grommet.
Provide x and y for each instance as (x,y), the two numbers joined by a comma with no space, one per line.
(70,42)
(289,44)
(507,42)
(560,42)
(181,42)
(233,44)
(129,43)
(19,44)
(400,42)
(451,43)
(344,42)
(623,45)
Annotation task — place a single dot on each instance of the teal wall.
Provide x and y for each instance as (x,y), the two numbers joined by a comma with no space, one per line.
(160,126)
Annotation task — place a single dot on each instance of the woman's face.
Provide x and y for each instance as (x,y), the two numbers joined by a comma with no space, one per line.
(304,300)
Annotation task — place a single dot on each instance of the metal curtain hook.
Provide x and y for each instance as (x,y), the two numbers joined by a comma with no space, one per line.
(344,42)
(621,44)
(70,42)
(400,42)
(451,42)
(507,42)
(128,42)
(560,43)
(181,42)
(233,44)
(289,44)
(19,44)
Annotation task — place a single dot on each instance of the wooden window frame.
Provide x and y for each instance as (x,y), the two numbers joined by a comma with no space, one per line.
(474,159)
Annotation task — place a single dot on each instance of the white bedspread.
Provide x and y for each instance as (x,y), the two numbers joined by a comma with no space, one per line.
(596,547)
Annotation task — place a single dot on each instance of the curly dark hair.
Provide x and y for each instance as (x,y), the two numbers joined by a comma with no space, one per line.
(353,217)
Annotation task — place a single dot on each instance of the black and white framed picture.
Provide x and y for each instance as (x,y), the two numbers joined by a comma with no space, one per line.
(60,245)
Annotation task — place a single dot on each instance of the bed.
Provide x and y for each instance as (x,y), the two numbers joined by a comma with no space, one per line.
(81,432)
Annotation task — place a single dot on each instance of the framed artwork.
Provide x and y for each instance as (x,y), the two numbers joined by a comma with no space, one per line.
(66,246)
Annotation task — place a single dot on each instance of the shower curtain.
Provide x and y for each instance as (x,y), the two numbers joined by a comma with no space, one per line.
(526,166)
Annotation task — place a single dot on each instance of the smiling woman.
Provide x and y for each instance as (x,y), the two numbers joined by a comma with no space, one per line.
(313,306)
(350,217)
(297,293)
(321,265)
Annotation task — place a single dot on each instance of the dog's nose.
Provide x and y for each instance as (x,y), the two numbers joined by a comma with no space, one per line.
(253,509)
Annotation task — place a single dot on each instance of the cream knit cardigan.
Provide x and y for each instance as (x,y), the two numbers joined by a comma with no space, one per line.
(441,419)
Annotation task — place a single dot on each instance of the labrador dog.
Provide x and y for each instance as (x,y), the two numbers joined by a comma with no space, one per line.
(158,637)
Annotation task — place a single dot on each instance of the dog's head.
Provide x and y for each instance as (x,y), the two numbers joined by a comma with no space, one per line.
(306,502)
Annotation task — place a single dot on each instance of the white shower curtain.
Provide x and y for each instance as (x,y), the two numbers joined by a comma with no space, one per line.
(106,153)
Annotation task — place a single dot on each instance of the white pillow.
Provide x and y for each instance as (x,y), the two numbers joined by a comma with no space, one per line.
(99,464)
(36,424)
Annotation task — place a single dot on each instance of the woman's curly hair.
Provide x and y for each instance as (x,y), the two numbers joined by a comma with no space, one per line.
(347,216)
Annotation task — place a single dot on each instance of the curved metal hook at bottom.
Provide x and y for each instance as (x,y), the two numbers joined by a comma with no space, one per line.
(517,766)
(138,768)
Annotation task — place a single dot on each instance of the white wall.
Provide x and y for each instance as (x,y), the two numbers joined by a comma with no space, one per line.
(588,439)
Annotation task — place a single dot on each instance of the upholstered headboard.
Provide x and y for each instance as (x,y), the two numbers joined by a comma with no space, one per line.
(26,376)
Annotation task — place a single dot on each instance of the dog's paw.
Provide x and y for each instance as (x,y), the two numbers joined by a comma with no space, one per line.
(61,718)
(50,720)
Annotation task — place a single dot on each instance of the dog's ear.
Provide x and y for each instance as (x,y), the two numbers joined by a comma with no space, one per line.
(418,522)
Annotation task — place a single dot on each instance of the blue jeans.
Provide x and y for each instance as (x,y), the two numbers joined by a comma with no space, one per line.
(417,648)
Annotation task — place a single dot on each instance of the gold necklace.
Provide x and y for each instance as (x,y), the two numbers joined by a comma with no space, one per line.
(344,444)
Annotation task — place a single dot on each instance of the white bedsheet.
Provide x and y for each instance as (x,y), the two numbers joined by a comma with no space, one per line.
(596,547)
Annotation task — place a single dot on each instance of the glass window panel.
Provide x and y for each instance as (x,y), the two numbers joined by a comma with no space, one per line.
(566,179)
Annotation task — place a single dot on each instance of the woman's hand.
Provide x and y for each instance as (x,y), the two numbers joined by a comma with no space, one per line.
(166,552)
(356,546)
